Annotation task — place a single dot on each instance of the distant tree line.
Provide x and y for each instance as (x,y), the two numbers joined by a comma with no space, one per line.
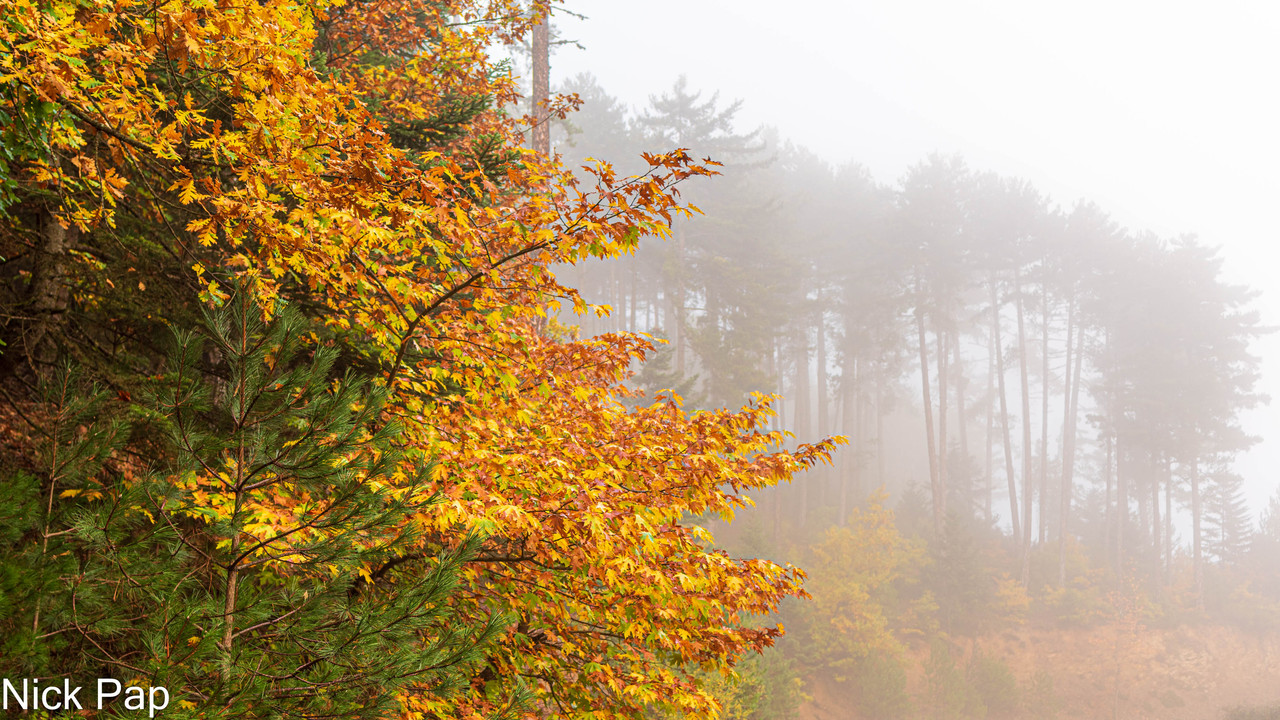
(1058,376)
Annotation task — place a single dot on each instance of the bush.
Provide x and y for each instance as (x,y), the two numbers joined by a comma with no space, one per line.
(1039,700)
(994,683)
(880,688)
(949,696)
(1257,713)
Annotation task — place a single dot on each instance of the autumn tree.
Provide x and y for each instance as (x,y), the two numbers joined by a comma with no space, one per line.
(354,161)
(849,623)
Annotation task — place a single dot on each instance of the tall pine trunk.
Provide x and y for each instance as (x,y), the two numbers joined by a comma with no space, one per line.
(781,419)
(1027,481)
(1157,529)
(1122,504)
(635,296)
(1168,521)
(803,420)
(1197,539)
(927,402)
(988,466)
(1004,416)
(678,304)
(941,336)
(1044,414)
(849,426)
(1071,405)
(1108,511)
(824,406)
(962,424)
(880,380)
(822,471)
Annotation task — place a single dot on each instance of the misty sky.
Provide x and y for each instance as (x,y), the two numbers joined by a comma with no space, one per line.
(1166,114)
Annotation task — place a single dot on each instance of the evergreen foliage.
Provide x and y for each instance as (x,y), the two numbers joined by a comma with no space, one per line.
(256,565)
(995,685)
(880,687)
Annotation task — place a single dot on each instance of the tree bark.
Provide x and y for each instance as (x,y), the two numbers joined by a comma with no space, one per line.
(1027,481)
(880,424)
(542,85)
(803,420)
(851,427)
(1156,527)
(927,401)
(824,406)
(678,302)
(942,337)
(1044,414)
(1108,519)
(1122,505)
(635,296)
(991,421)
(962,423)
(822,471)
(1168,522)
(1004,417)
(47,297)
(1071,405)
(781,423)
(1197,539)
(1143,497)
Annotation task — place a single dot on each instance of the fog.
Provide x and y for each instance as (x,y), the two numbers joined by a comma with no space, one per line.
(1160,114)
(904,183)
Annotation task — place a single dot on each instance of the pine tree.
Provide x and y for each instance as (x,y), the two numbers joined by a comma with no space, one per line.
(1227,521)
(255,566)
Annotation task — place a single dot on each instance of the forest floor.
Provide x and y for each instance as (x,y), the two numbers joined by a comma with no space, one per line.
(1105,672)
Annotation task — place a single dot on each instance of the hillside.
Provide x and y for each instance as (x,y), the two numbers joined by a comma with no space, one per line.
(1183,673)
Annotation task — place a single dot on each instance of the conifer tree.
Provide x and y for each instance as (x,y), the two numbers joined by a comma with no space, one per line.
(256,566)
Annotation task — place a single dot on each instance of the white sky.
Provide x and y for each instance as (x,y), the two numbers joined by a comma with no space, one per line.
(1167,114)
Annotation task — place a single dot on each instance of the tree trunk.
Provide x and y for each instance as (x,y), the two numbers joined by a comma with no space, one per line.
(1168,522)
(1143,497)
(1157,529)
(1027,481)
(927,400)
(962,425)
(1122,505)
(824,406)
(781,420)
(851,426)
(782,375)
(1044,415)
(669,311)
(542,86)
(803,419)
(848,452)
(635,296)
(822,471)
(1071,405)
(1197,539)
(678,303)
(991,417)
(47,297)
(1004,417)
(1108,520)
(942,337)
(617,310)
(880,424)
